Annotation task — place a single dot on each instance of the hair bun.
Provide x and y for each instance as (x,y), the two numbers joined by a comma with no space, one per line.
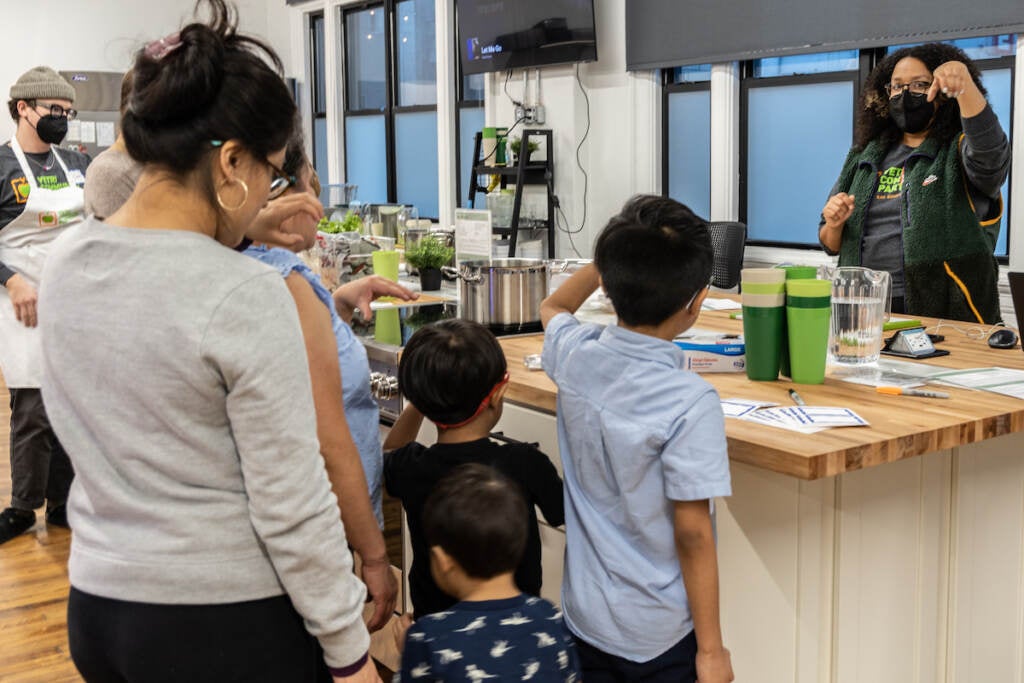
(180,83)
(206,82)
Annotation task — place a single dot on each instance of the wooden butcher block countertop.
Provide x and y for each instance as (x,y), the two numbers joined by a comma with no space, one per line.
(901,426)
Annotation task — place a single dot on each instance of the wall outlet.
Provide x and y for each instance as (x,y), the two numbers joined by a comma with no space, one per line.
(530,114)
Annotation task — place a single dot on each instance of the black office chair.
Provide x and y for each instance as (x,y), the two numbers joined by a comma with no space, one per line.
(729,239)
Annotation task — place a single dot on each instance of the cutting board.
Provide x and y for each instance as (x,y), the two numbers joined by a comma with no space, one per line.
(387,303)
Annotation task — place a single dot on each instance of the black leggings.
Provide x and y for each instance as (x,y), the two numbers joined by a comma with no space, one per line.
(113,641)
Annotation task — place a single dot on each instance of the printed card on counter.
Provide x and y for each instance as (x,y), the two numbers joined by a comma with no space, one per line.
(1005,381)
(774,419)
(803,419)
(816,416)
(738,407)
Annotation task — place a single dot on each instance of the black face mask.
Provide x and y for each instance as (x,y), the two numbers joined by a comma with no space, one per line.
(911,112)
(52,129)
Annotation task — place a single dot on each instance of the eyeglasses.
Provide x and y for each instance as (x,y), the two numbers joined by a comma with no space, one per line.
(280,183)
(697,293)
(916,87)
(57,110)
(483,404)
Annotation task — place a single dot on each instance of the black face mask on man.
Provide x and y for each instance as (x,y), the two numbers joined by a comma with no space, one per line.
(911,111)
(52,129)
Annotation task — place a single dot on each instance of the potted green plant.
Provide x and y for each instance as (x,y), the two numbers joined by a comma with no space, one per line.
(427,257)
(515,144)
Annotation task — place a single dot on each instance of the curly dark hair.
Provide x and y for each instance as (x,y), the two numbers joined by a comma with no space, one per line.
(873,121)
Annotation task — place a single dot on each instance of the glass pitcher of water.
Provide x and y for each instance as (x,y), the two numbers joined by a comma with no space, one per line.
(861,300)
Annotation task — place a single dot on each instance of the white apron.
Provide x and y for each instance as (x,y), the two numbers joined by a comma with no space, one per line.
(24,244)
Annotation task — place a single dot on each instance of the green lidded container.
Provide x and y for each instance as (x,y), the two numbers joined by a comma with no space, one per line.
(808,309)
(793,273)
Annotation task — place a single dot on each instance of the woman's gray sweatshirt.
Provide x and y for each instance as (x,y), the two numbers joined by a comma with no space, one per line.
(175,375)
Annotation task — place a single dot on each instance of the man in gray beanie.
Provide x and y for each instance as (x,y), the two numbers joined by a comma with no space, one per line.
(40,196)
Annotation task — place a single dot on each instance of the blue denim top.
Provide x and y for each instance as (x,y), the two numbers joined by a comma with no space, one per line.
(361,410)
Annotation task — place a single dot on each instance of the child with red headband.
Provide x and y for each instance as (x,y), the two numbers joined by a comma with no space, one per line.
(454,373)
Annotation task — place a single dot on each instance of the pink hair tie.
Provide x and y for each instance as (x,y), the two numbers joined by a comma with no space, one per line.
(158,49)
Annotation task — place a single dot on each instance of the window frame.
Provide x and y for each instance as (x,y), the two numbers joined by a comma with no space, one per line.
(461,103)
(317,109)
(668,88)
(749,82)
(387,110)
(391,110)
(1005,62)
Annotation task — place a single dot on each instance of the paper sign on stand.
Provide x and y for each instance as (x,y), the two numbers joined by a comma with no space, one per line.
(88,131)
(472,235)
(106,133)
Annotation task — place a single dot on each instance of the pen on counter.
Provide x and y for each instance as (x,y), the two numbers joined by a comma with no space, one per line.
(796,398)
(736,316)
(900,391)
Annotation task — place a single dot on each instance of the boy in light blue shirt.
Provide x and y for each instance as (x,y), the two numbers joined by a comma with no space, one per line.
(643,451)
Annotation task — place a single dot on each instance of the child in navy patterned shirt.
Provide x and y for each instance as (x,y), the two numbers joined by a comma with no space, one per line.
(475,525)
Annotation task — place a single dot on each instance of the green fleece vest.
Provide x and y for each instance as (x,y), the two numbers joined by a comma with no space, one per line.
(948,265)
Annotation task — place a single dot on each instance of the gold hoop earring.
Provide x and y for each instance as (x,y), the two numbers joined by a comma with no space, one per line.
(245,194)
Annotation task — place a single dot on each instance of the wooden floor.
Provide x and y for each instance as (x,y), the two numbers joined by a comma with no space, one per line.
(33,590)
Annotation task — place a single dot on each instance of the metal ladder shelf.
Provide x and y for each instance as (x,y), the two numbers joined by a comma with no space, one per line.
(525,172)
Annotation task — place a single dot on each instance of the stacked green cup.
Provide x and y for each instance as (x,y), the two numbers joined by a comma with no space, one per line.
(808,308)
(792,273)
(763,298)
(387,328)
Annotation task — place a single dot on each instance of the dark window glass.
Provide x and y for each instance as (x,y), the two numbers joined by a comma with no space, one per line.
(824,62)
(366,68)
(417,53)
(989,47)
(695,73)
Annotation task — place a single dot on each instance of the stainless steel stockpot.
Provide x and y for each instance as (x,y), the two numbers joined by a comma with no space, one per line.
(504,294)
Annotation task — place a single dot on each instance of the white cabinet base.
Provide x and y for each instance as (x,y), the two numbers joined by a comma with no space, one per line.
(910,572)
(906,572)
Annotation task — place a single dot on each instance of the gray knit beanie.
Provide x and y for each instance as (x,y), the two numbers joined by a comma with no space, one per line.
(42,83)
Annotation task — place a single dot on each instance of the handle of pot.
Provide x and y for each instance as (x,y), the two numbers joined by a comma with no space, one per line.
(462,274)
(450,272)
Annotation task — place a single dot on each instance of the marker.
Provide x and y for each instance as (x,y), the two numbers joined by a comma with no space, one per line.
(899,391)
(736,316)
(796,398)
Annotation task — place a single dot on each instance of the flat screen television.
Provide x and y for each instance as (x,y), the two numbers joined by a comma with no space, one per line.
(497,35)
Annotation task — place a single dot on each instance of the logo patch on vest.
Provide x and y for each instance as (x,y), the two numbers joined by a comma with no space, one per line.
(48,219)
(929,180)
(21,189)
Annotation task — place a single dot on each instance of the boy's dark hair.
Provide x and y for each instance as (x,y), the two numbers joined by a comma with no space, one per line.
(479,517)
(214,85)
(873,119)
(449,367)
(653,257)
(295,154)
